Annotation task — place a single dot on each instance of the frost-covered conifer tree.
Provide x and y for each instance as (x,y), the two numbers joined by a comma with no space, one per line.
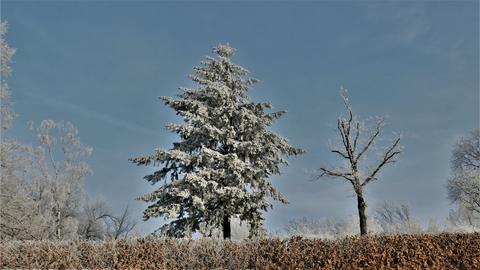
(220,167)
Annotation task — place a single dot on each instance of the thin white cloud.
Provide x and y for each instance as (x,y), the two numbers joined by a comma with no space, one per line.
(99,116)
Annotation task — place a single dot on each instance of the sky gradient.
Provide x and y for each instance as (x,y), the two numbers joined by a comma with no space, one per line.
(102,64)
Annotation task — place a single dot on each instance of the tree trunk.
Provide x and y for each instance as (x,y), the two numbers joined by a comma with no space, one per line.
(227,230)
(58,225)
(361,214)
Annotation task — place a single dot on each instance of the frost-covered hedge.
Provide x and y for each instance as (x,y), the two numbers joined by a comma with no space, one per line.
(443,251)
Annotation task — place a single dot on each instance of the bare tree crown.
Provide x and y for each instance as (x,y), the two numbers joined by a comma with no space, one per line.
(355,141)
(464,186)
(466,153)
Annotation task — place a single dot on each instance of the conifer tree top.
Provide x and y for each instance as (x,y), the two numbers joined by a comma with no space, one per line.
(224,50)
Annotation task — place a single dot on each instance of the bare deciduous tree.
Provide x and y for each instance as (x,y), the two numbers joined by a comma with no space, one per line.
(6,52)
(18,211)
(62,168)
(42,187)
(465,190)
(466,153)
(356,140)
(461,219)
(392,214)
(92,220)
(464,186)
(97,222)
(21,212)
(120,226)
(396,219)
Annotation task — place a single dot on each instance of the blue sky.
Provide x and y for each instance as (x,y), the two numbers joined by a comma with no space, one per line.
(102,65)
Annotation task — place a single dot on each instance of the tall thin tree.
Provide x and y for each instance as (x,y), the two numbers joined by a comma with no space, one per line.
(356,140)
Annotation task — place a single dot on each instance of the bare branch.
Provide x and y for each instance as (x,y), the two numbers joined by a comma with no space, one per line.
(343,94)
(372,139)
(341,154)
(357,135)
(327,172)
(121,225)
(346,125)
(342,133)
(387,158)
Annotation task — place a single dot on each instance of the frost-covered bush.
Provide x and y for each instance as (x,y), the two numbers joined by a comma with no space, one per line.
(332,228)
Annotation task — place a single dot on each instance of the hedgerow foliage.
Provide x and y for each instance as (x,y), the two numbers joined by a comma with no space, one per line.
(442,251)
